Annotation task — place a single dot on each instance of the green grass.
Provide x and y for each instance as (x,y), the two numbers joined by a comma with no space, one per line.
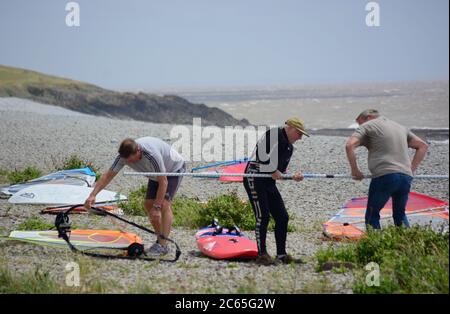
(320,285)
(411,260)
(233,265)
(75,162)
(229,209)
(30,172)
(250,287)
(16,77)
(38,281)
(186,265)
(37,223)
(19,176)
(3,176)
(142,288)
(135,204)
(32,282)
(22,83)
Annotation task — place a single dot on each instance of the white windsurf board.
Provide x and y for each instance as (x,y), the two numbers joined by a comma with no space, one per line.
(60,194)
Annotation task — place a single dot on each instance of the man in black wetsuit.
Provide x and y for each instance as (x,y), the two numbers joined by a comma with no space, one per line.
(272,155)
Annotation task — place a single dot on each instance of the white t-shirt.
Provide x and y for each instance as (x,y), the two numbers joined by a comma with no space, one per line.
(157,156)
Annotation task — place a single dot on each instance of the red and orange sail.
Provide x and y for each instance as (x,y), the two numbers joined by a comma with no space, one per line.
(349,223)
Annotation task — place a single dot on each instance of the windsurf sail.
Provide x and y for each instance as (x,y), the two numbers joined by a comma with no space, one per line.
(421,209)
(82,239)
(239,168)
(232,166)
(134,250)
(79,177)
(215,165)
(87,241)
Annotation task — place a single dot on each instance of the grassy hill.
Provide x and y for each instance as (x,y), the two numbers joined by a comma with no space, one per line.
(91,99)
(15,81)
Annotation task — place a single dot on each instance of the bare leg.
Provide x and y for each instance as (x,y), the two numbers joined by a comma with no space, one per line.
(166,220)
(154,216)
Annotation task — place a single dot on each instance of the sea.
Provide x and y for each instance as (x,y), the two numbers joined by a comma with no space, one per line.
(415,104)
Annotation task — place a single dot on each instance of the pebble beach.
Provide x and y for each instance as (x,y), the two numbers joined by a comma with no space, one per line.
(42,136)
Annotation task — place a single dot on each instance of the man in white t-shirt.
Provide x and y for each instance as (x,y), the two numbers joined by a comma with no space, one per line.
(149,154)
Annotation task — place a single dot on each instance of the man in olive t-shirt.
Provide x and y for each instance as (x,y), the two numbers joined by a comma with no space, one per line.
(389,163)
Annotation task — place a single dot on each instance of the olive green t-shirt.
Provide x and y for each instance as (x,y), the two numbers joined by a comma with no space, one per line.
(387,142)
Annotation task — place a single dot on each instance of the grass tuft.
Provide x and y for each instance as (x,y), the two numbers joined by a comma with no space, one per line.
(411,260)
(191,213)
(75,162)
(35,223)
(19,176)
(33,282)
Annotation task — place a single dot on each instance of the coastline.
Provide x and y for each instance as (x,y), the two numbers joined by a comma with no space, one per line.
(41,138)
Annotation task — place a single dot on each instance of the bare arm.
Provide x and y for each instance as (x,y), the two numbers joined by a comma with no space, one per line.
(421,150)
(350,147)
(104,180)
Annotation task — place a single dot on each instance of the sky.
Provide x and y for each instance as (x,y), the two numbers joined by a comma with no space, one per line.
(155,44)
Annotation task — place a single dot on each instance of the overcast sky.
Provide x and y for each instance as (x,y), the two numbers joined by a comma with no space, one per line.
(143,44)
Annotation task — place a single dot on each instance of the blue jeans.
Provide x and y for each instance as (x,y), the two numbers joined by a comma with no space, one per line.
(395,185)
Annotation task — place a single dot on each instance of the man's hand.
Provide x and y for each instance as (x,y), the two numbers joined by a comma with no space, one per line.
(298,176)
(357,174)
(277,175)
(350,147)
(90,201)
(100,185)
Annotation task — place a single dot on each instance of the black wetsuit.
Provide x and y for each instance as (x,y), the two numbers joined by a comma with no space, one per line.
(271,155)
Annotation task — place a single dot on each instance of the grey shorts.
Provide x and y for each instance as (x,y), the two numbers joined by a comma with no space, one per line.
(172,187)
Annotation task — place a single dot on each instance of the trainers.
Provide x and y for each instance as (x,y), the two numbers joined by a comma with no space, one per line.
(265,260)
(288,259)
(157,250)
